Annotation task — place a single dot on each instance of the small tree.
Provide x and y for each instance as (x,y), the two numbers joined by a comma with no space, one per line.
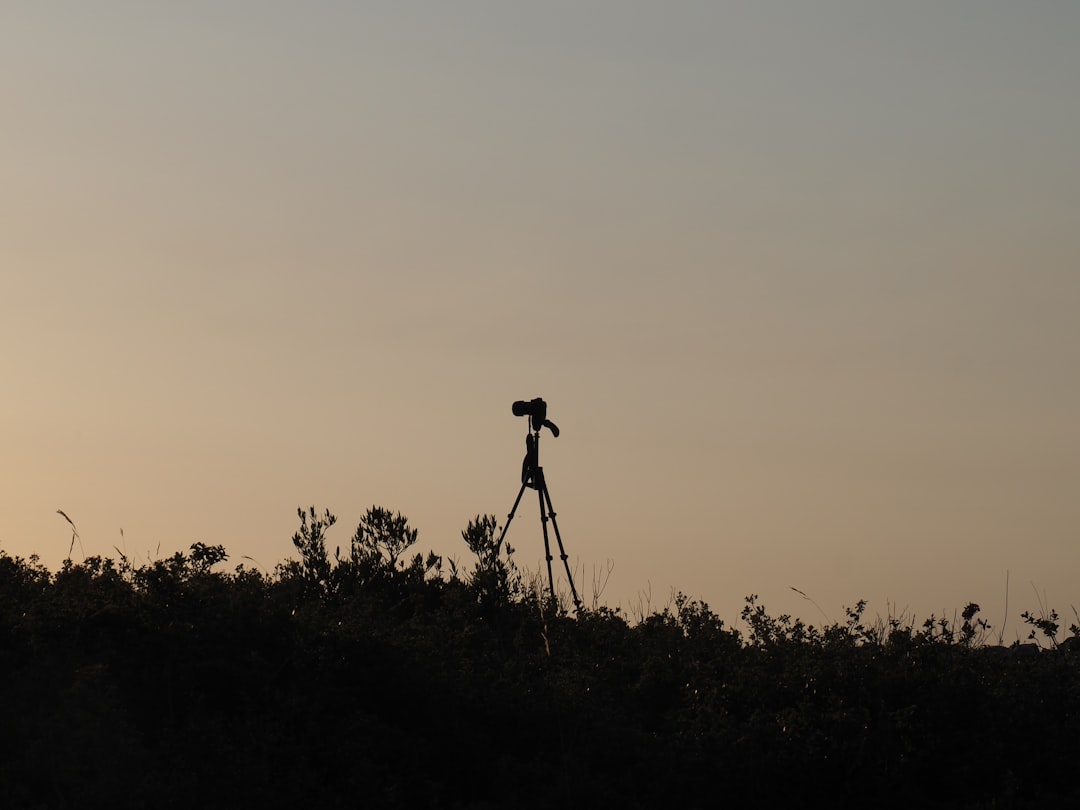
(380,539)
(494,577)
(310,541)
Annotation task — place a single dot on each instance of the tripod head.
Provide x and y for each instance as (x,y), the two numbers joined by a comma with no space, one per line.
(536,410)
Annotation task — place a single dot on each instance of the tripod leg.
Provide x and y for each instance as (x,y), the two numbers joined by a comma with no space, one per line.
(545,495)
(510,517)
(547,545)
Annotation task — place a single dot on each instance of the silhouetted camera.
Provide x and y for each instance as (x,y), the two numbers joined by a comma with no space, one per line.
(536,410)
(534,407)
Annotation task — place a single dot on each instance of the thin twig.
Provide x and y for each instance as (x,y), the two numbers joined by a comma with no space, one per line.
(812,602)
(1001,632)
(74,534)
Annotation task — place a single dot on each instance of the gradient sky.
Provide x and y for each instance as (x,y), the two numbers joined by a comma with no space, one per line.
(799,281)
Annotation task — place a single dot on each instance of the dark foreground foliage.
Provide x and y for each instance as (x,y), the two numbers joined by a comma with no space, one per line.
(366,679)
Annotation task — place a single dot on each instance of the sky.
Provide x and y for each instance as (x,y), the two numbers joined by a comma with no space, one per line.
(798,281)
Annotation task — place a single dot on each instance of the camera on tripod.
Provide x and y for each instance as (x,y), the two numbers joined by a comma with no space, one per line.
(532,477)
(536,410)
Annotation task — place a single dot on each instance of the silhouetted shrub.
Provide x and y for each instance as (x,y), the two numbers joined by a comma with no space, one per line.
(369,679)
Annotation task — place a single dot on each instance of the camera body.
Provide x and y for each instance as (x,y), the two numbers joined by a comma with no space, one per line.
(536,410)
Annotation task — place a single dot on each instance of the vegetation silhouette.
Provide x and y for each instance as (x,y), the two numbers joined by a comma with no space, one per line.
(371,678)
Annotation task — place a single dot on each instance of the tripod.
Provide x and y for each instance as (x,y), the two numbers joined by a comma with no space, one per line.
(532,476)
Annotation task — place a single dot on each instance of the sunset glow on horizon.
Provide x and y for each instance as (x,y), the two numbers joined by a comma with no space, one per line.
(800,284)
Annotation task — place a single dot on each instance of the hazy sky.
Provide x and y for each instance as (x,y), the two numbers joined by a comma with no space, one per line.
(799,281)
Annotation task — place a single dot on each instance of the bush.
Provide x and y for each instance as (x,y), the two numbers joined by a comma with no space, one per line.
(372,679)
